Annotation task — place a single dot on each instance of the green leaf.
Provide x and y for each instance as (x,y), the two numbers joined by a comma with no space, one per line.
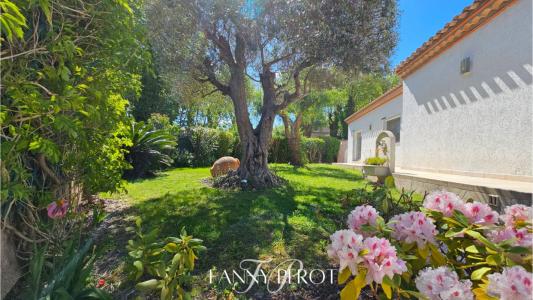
(136,253)
(140,269)
(171,247)
(519,250)
(474,249)
(482,239)
(387,290)
(147,285)
(494,260)
(453,232)
(461,218)
(45,7)
(344,275)
(436,255)
(479,273)
(353,289)
(424,252)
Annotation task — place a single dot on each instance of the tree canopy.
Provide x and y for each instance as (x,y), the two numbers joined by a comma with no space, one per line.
(272,42)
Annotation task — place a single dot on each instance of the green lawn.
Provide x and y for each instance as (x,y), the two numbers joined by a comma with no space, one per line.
(293,221)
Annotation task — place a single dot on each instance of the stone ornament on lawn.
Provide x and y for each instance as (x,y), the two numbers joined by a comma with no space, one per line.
(223,165)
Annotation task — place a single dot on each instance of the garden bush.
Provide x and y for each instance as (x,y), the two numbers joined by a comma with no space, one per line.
(69,71)
(163,265)
(331,149)
(448,249)
(149,150)
(279,150)
(314,150)
(201,146)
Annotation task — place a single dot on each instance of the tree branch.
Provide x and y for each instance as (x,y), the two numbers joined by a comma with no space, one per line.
(277,60)
(286,123)
(212,78)
(288,97)
(222,45)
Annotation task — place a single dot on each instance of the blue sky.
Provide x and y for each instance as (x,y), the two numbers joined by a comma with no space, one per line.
(420,20)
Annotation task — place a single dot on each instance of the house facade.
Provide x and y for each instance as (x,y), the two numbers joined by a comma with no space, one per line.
(465,103)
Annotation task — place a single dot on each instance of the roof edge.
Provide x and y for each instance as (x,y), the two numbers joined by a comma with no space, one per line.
(479,13)
(376,103)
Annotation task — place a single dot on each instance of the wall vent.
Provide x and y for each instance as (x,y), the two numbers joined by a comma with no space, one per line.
(466,65)
(494,200)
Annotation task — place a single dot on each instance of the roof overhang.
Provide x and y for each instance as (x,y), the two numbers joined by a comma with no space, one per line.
(470,19)
(380,101)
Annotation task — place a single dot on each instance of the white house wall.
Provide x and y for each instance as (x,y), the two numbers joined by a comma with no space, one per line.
(374,121)
(478,123)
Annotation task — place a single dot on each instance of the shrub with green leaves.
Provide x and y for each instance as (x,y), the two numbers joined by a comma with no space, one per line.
(331,149)
(69,71)
(163,265)
(449,249)
(149,150)
(313,149)
(201,146)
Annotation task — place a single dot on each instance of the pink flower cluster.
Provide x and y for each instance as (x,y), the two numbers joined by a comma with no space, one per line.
(362,215)
(413,227)
(518,237)
(345,247)
(512,284)
(443,201)
(516,214)
(479,213)
(446,202)
(380,259)
(443,284)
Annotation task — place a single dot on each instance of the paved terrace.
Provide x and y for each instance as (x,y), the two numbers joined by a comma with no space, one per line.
(498,192)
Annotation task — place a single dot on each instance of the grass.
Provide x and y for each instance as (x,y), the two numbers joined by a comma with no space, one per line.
(293,221)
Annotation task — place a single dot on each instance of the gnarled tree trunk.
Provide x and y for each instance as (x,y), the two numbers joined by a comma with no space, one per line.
(253,171)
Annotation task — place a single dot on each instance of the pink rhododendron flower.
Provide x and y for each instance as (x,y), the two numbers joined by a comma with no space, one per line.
(57,209)
(413,227)
(381,260)
(479,213)
(362,215)
(345,247)
(515,214)
(512,284)
(443,284)
(443,201)
(519,237)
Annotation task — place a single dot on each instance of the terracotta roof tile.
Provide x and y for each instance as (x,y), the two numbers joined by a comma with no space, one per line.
(471,18)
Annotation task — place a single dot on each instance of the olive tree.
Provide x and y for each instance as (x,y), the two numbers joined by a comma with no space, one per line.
(224,42)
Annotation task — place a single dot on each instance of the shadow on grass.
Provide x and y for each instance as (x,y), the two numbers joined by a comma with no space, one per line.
(319,171)
(289,222)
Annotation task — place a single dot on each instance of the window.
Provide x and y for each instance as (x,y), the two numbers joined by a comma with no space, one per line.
(357,140)
(394,125)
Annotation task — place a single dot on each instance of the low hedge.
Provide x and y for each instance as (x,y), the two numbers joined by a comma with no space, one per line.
(315,150)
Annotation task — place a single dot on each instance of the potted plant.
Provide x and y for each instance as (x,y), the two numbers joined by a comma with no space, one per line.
(375,166)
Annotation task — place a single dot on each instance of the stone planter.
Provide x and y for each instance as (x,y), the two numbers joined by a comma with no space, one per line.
(381,172)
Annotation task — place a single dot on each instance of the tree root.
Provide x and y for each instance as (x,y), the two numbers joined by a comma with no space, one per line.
(234,181)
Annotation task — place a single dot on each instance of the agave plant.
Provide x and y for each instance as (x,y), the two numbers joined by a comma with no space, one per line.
(149,150)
